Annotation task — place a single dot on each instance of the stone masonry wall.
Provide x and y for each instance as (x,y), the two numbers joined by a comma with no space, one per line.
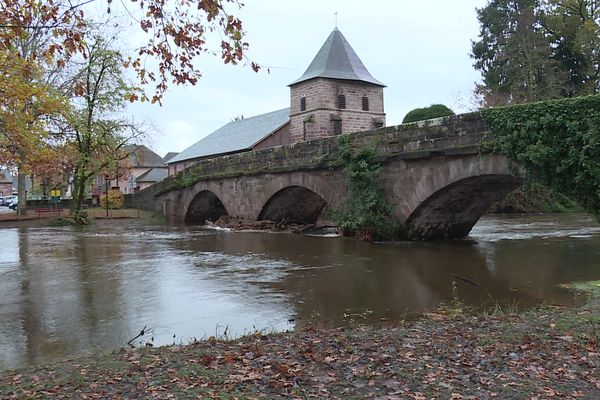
(455,135)
(321,104)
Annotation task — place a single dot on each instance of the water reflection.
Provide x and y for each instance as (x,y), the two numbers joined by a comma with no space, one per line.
(68,291)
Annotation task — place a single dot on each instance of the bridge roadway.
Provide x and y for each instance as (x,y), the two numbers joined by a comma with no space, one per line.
(435,174)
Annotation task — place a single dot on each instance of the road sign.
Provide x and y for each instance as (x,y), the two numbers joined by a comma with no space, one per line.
(55,195)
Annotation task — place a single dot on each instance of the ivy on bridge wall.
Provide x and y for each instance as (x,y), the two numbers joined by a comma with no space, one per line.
(366,214)
(557,141)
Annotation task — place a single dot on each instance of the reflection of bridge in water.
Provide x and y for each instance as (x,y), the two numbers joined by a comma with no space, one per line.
(437,179)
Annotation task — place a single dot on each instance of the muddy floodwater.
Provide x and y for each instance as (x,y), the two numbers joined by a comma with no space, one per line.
(66,291)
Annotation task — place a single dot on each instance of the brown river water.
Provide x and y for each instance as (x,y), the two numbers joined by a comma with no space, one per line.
(66,291)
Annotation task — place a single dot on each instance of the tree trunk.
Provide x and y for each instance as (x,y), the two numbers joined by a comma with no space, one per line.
(21,209)
(79,182)
(21,191)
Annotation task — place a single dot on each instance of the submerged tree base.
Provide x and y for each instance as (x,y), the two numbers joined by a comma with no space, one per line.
(543,353)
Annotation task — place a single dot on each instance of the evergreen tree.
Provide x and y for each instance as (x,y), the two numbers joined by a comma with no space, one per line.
(531,50)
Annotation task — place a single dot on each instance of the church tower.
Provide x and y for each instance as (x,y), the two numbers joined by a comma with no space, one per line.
(335,95)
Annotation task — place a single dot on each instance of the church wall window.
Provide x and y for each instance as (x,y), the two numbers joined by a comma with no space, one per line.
(302,103)
(341,101)
(365,103)
(337,126)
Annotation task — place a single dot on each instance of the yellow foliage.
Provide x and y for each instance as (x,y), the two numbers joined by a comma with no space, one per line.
(115,199)
(25,101)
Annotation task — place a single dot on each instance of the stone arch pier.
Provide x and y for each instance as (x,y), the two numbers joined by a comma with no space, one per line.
(435,175)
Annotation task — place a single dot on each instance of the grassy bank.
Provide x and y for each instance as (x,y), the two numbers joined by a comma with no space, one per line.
(47,218)
(549,352)
(98,213)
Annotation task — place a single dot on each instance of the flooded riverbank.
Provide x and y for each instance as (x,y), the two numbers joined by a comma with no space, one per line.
(68,291)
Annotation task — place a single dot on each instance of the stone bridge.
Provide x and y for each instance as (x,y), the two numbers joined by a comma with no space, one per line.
(435,174)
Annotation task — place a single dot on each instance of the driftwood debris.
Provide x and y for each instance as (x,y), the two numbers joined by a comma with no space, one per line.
(283,225)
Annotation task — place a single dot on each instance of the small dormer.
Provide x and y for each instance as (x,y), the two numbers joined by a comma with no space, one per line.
(336,94)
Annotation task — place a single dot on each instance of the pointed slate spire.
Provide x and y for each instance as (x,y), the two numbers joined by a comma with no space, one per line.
(337,60)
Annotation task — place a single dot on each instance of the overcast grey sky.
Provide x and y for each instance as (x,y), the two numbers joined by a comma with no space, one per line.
(418,49)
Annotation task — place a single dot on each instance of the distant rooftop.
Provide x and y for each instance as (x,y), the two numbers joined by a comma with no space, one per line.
(6,176)
(170,155)
(141,156)
(153,175)
(337,60)
(238,135)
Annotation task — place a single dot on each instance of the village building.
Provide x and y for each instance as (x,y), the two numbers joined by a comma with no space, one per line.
(142,163)
(6,183)
(142,168)
(169,155)
(336,94)
(243,134)
(149,178)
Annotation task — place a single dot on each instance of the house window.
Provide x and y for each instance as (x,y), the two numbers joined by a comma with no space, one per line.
(378,124)
(337,126)
(302,103)
(365,103)
(341,101)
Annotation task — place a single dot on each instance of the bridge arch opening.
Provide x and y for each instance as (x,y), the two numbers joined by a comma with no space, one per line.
(451,212)
(205,206)
(295,204)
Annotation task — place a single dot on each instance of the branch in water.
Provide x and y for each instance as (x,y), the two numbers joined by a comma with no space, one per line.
(142,332)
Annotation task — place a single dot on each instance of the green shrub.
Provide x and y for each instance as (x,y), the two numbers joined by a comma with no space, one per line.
(533,197)
(115,200)
(433,111)
(81,218)
(367,213)
(557,141)
(76,218)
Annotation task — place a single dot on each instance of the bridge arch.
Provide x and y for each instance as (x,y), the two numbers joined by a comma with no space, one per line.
(296,204)
(205,206)
(451,212)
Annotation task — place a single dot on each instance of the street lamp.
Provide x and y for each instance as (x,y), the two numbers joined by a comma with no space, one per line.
(106,192)
(133,184)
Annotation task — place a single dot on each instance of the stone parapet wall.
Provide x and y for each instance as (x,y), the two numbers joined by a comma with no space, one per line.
(146,199)
(454,135)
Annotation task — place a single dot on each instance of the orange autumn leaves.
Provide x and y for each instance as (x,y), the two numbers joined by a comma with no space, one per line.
(26,107)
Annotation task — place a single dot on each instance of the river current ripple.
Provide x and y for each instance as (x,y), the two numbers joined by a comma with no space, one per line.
(67,291)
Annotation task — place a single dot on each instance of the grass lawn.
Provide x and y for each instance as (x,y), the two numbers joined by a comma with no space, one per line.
(96,213)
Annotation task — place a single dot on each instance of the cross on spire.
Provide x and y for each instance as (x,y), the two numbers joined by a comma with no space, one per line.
(336,14)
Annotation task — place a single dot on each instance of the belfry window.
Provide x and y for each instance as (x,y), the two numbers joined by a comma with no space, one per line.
(302,103)
(365,103)
(341,101)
